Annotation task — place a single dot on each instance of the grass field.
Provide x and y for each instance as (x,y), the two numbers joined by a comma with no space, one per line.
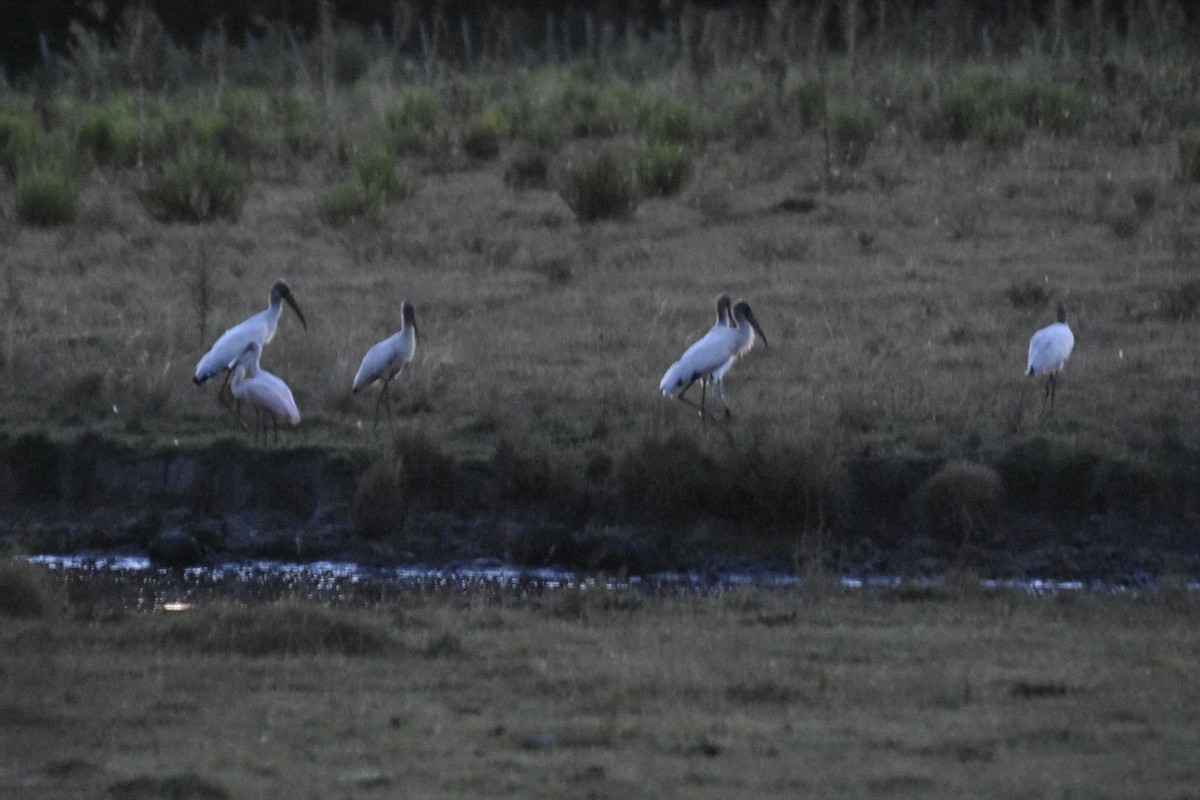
(916,691)
(900,225)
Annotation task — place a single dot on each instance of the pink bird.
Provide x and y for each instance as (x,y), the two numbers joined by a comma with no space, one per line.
(261,389)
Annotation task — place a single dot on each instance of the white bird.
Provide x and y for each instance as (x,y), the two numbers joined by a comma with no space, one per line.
(744,327)
(1049,350)
(386,359)
(266,392)
(711,353)
(259,328)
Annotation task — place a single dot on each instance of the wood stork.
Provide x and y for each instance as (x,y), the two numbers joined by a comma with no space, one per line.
(745,326)
(710,353)
(386,359)
(266,392)
(258,328)
(1049,350)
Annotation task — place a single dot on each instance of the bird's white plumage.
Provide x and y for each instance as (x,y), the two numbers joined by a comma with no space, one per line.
(743,340)
(385,359)
(260,388)
(1049,349)
(258,328)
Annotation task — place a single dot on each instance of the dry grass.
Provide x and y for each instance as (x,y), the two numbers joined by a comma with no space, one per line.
(936,692)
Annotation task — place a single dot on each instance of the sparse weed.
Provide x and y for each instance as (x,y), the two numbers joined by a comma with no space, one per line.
(109,137)
(194,188)
(985,103)
(45,197)
(600,184)
(806,102)
(669,123)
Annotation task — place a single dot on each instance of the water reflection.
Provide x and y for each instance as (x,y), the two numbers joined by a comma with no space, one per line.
(133,582)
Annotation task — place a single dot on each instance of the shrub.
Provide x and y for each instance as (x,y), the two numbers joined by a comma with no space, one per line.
(45,197)
(1189,155)
(851,132)
(806,101)
(484,135)
(662,169)
(195,188)
(600,185)
(959,499)
(671,481)
(348,201)
(377,171)
(989,105)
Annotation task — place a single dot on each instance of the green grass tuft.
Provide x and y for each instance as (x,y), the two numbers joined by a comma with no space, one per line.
(663,169)
(45,197)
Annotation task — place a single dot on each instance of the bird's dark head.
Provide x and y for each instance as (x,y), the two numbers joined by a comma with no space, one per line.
(409,314)
(723,306)
(742,313)
(281,291)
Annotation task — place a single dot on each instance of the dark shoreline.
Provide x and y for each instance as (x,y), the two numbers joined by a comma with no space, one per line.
(1107,522)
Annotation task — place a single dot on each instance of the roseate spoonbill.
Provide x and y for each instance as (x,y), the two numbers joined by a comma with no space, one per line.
(1049,350)
(263,390)
(386,359)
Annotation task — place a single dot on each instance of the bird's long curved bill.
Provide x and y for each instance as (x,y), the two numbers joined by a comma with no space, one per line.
(754,324)
(295,307)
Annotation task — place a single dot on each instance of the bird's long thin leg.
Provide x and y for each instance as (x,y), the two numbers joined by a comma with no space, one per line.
(378,400)
(680,397)
(719,391)
(1046,395)
(388,403)
(1053,389)
(703,391)
(225,392)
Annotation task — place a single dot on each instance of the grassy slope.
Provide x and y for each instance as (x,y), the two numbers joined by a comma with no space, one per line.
(754,693)
(551,334)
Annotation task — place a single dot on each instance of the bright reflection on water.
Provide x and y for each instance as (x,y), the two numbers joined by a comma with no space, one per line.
(133,582)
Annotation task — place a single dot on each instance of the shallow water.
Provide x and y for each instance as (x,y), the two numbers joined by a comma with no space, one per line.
(133,582)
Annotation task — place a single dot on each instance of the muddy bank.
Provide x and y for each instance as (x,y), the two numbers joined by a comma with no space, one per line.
(1038,509)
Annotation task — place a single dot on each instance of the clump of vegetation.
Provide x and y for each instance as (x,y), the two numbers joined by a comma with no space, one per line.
(988,104)
(663,169)
(959,499)
(413,125)
(669,123)
(528,168)
(1189,155)
(351,58)
(377,170)
(486,132)
(852,130)
(600,185)
(194,188)
(348,201)
(671,481)
(25,590)
(45,197)
(18,140)
(806,102)
(109,137)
